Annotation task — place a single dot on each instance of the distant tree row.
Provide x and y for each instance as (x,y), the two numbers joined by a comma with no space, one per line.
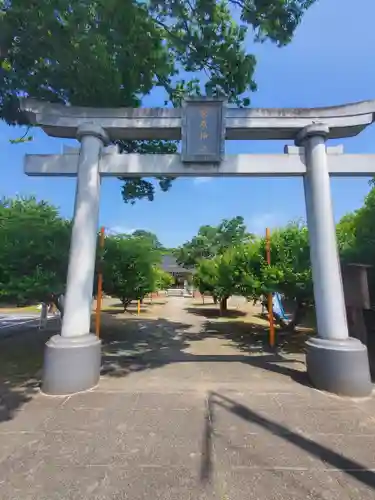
(34,252)
(228,260)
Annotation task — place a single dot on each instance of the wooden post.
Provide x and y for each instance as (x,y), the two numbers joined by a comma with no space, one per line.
(139,307)
(270,305)
(100,286)
(43,316)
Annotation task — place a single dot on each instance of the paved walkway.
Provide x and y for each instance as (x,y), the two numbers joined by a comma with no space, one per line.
(185,412)
(16,323)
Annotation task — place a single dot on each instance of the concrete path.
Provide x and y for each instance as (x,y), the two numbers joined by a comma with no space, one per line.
(189,414)
(11,323)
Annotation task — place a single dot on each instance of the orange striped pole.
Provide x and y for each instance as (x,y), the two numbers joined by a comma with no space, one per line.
(100,286)
(270,305)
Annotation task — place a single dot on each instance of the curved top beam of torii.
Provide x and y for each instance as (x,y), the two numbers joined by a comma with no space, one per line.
(58,120)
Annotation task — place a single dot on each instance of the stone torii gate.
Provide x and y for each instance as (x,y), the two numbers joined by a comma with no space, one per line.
(335,361)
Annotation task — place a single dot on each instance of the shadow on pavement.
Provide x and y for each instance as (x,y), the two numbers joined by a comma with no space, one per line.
(135,344)
(251,337)
(330,457)
(21,359)
(214,312)
(132,308)
(14,395)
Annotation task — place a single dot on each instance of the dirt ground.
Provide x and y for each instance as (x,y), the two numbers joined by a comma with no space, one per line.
(21,356)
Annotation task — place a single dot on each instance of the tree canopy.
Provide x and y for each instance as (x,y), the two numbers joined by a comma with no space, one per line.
(129,264)
(34,249)
(242,269)
(290,269)
(232,272)
(115,52)
(356,236)
(213,240)
(151,238)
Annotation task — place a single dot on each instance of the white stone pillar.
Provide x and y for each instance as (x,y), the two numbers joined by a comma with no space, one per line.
(326,270)
(79,288)
(72,360)
(335,361)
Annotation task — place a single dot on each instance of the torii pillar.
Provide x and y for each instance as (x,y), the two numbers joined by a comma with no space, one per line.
(72,360)
(335,362)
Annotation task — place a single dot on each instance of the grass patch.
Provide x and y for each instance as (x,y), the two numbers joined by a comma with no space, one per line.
(26,309)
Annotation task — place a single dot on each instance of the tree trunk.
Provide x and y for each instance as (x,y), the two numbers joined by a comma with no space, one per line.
(214,299)
(298,316)
(125,303)
(223,305)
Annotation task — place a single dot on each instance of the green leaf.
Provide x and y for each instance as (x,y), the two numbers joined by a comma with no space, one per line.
(6,65)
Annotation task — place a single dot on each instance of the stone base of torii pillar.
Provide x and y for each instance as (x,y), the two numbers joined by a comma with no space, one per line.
(71,364)
(339,366)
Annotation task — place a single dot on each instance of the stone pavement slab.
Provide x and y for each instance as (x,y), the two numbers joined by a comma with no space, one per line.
(293,485)
(185,446)
(36,410)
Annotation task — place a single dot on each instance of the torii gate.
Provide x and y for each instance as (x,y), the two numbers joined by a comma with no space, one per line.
(335,361)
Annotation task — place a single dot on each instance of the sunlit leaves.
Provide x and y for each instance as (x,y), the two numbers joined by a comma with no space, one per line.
(273,19)
(130,264)
(213,240)
(242,269)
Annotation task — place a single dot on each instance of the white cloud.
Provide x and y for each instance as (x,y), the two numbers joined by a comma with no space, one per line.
(202,180)
(119,230)
(259,222)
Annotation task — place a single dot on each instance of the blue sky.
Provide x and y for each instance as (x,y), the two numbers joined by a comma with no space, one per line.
(330,61)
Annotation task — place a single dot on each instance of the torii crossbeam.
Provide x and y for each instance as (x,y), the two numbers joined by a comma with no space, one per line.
(290,164)
(335,362)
